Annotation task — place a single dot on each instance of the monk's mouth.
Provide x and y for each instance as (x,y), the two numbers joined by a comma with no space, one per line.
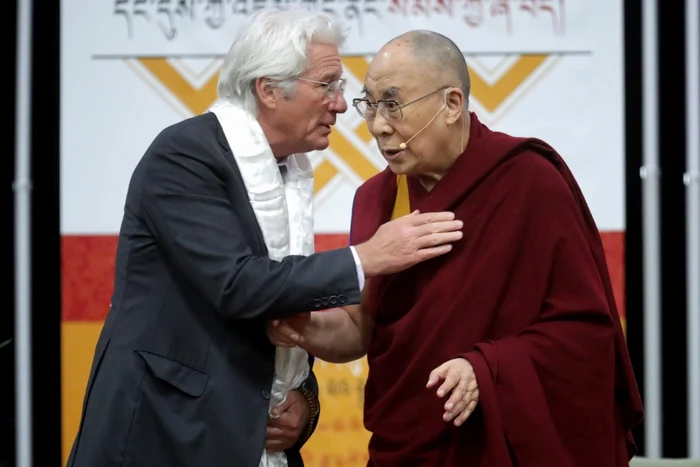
(391,154)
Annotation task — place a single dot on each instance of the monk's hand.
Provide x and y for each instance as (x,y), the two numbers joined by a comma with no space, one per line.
(288,332)
(458,378)
(407,241)
(287,422)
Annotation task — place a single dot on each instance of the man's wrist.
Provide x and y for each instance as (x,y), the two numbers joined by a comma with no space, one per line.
(358,266)
(365,259)
(314,411)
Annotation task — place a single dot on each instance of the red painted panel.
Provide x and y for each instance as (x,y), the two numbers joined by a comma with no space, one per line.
(88,271)
(614,244)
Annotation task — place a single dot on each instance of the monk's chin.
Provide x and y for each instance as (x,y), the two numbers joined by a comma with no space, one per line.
(399,169)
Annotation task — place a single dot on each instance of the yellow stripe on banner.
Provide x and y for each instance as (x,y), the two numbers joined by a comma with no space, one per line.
(357,65)
(196,100)
(363,132)
(340,438)
(352,156)
(78,340)
(402,205)
(493,95)
(323,173)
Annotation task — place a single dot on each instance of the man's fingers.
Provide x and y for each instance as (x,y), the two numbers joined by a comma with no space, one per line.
(283,342)
(430,253)
(438,227)
(287,332)
(282,407)
(436,375)
(439,238)
(430,217)
(471,384)
(451,380)
(457,409)
(469,409)
(457,396)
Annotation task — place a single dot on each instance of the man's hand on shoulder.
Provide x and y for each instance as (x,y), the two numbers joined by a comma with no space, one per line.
(408,240)
(292,417)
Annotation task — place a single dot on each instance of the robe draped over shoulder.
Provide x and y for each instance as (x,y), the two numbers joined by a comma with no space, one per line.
(525,296)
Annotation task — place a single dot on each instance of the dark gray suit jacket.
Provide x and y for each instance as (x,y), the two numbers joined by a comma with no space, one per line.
(183,367)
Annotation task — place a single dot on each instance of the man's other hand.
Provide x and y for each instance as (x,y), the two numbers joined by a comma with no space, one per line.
(292,417)
(288,332)
(459,380)
(408,240)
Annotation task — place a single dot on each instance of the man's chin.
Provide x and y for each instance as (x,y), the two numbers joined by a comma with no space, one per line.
(319,143)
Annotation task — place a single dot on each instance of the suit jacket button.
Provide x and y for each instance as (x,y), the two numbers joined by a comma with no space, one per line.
(266,394)
(324,301)
(333,300)
(342,299)
(317,303)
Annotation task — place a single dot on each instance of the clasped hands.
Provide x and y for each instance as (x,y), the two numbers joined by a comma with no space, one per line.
(287,423)
(457,375)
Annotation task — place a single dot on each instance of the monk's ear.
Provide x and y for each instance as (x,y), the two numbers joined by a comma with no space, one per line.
(267,93)
(455,104)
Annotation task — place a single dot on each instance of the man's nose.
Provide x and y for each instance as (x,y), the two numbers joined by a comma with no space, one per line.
(379,125)
(339,104)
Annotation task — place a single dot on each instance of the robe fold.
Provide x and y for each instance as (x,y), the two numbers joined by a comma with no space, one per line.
(525,297)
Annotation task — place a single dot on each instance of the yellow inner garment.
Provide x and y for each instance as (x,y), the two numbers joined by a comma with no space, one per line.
(402,205)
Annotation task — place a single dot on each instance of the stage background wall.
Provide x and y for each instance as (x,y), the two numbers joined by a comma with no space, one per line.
(552,69)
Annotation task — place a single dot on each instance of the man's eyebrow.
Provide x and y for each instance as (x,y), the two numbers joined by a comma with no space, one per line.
(390,93)
(328,77)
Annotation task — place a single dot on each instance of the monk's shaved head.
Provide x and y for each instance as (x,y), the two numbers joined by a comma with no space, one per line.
(436,55)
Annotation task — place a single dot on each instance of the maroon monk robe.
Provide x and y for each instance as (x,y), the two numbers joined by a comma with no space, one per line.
(525,296)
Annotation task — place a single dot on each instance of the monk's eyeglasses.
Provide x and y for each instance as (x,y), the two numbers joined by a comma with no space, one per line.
(332,88)
(389,108)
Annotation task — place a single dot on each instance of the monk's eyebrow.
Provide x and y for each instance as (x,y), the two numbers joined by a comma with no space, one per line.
(391,93)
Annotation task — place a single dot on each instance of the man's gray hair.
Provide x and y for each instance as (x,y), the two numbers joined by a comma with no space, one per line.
(273,44)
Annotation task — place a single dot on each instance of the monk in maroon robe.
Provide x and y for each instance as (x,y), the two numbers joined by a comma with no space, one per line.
(507,351)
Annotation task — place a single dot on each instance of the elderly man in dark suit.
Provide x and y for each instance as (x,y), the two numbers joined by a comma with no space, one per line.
(216,242)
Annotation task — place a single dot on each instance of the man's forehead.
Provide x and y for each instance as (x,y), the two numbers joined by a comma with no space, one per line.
(324,61)
(393,85)
(390,73)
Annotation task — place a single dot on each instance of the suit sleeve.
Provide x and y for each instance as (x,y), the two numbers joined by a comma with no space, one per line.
(186,206)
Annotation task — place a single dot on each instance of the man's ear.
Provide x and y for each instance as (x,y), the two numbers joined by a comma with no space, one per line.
(455,104)
(266,92)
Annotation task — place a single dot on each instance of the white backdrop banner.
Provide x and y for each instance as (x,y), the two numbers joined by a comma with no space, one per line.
(186,27)
(546,68)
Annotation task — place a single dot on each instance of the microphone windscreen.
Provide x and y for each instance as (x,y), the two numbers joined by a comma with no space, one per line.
(402,146)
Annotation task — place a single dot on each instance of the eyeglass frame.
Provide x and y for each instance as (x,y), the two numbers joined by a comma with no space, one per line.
(331,93)
(356,101)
